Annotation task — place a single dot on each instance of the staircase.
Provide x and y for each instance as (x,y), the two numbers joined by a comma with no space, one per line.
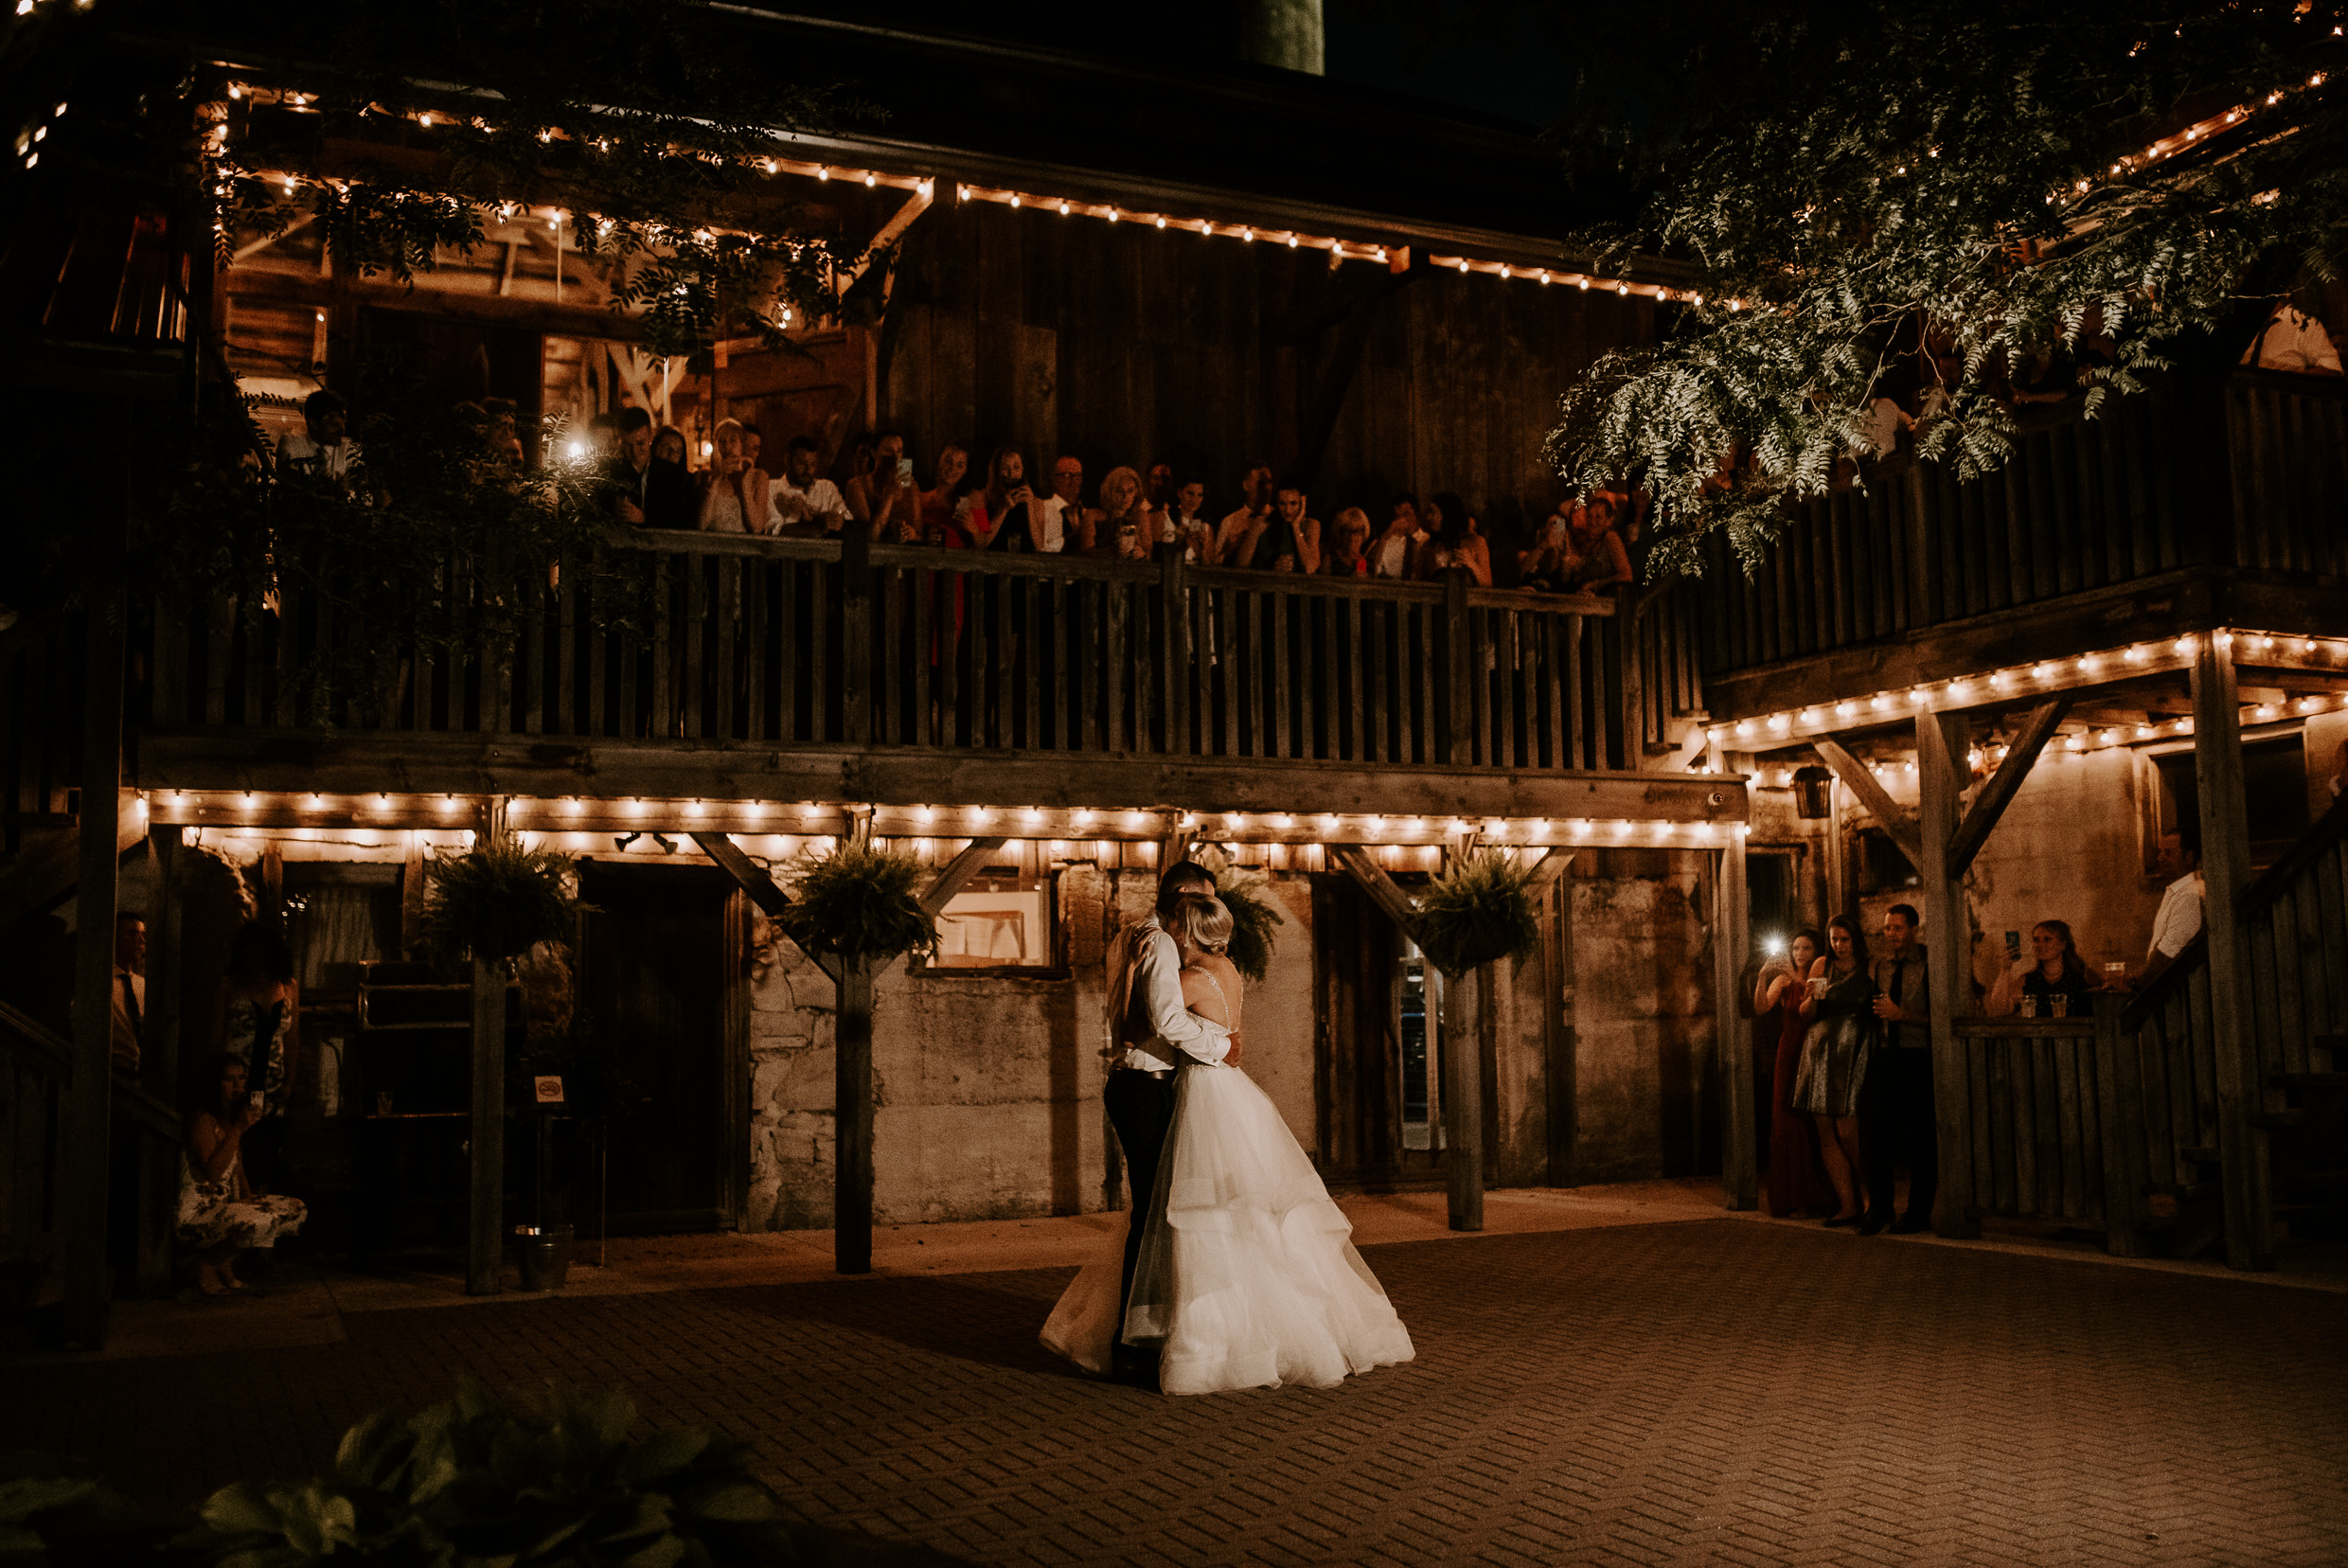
(2295,924)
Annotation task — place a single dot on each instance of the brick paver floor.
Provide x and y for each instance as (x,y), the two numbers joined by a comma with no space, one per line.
(1714,1392)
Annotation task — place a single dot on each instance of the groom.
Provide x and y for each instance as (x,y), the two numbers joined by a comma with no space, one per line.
(1152,1025)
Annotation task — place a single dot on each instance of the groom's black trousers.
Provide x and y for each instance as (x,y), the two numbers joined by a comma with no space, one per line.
(1141,1108)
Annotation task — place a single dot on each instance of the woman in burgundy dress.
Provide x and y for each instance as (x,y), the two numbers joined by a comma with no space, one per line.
(1796,1180)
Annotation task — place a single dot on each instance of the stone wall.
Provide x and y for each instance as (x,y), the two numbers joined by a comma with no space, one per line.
(1645,1068)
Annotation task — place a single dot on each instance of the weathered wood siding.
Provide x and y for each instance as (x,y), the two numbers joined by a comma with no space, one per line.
(1124,343)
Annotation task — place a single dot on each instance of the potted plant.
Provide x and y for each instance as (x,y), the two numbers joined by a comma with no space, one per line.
(491,905)
(1478,910)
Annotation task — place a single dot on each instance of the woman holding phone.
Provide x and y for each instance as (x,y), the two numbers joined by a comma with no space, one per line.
(2054,979)
(1839,1005)
(221,1214)
(885,494)
(1797,1179)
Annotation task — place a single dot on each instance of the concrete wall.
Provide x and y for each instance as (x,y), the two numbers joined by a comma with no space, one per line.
(1645,1063)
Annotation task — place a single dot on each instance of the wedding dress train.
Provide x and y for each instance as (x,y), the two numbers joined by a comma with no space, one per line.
(1248,1275)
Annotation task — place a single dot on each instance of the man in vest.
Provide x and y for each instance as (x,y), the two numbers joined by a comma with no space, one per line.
(1895,1108)
(1153,1029)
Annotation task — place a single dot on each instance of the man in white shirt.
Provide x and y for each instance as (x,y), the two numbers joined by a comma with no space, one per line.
(799,504)
(2179,921)
(1067,521)
(323,445)
(1155,1030)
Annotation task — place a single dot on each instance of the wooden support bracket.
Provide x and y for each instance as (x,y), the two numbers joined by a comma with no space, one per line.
(958,871)
(1887,812)
(753,879)
(1998,794)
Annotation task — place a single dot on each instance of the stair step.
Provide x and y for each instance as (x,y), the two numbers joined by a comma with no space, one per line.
(2293,1117)
(2309,1080)
(2308,1211)
(2200,1154)
(2312,1181)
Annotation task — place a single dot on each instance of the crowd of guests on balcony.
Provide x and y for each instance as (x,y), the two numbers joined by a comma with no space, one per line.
(1850,1080)
(1267,524)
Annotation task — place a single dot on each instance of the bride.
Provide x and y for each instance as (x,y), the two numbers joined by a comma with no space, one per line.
(1248,1275)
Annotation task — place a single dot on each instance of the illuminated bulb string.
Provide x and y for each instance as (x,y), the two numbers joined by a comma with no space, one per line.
(1338,249)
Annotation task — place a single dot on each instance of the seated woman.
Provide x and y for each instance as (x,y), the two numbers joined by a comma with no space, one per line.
(2055,970)
(220,1214)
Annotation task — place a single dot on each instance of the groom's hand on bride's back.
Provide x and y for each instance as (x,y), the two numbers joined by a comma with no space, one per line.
(1231,1058)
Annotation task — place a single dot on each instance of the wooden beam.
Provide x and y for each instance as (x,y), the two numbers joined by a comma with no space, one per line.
(1381,888)
(1461,1049)
(1889,814)
(753,879)
(2225,872)
(1940,774)
(86,1163)
(484,1248)
(1740,1163)
(852,1101)
(1998,794)
(539,765)
(889,234)
(958,871)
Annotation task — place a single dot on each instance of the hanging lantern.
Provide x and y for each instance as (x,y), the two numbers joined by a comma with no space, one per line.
(1813,788)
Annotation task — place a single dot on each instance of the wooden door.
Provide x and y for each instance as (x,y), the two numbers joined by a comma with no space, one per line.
(663,980)
(1379,1051)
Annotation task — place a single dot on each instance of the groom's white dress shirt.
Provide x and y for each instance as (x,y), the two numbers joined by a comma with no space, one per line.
(1153,1022)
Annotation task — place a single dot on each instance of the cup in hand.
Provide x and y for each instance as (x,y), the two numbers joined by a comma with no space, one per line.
(1817,985)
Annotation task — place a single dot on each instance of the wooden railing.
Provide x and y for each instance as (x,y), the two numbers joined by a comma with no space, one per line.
(40,715)
(36,1066)
(2052,1109)
(816,642)
(2094,1123)
(2159,483)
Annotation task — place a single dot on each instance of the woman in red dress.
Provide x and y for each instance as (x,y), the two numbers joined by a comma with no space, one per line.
(1796,1181)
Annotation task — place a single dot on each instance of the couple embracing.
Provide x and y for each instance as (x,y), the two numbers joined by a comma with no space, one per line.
(1233,1269)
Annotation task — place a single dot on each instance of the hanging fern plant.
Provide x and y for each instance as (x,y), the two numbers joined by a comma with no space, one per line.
(858,902)
(1251,913)
(1478,911)
(498,901)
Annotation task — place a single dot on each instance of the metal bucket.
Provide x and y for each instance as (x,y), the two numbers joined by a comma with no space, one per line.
(545,1256)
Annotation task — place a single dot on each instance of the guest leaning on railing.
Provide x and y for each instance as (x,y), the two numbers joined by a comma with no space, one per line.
(2055,973)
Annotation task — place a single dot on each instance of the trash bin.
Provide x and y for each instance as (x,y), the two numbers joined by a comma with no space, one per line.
(545,1256)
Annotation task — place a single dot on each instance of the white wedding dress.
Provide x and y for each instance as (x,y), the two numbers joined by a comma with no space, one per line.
(1248,1275)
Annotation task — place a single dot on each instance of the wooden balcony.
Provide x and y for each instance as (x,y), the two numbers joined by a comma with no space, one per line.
(765,668)
(2184,508)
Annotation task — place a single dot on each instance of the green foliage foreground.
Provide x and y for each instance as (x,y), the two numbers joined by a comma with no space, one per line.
(498,901)
(478,1481)
(859,902)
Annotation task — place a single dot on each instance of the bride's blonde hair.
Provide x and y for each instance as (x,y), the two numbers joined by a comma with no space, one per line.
(1202,920)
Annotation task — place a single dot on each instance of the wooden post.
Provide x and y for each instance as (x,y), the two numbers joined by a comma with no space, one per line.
(1462,1098)
(1458,739)
(2225,871)
(1740,1163)
(486,1250)
(2120,1101)
(87,1163)
(851,1211)
(159,1045)
(1940,746)
(1174,681)
(1628,601)
(1889,814)
(855,632)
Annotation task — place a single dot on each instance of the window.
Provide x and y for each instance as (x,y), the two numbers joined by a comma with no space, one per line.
(1001,919)
(2274,789)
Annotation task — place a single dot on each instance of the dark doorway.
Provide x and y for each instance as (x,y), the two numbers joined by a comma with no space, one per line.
(662,980)
(1379,1067)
